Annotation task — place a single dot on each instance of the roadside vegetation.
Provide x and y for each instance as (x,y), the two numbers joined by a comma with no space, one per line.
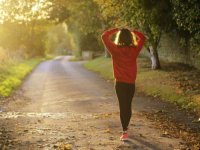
(13,69)
(75,58)
(175,83)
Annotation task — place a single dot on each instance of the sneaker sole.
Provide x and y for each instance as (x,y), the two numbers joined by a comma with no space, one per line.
(124,139)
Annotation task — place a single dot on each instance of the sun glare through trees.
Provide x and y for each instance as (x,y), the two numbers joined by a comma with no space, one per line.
(32,31)
(16,11)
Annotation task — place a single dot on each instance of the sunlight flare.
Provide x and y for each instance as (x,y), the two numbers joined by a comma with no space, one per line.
(35,8)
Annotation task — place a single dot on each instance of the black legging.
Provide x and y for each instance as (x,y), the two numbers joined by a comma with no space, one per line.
(125,93)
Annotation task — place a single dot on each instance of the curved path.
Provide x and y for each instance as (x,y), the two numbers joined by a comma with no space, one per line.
(62,102)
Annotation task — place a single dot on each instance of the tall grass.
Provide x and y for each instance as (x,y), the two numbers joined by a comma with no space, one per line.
(14,75)
(14,68)
(8,58)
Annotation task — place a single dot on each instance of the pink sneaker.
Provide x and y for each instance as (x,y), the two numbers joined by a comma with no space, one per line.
(124,137)
(127,130)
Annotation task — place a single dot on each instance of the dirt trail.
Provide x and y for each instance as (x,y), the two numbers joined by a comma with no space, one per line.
(61,102)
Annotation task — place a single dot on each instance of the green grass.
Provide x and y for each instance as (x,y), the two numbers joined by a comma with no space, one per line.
(74,58)
(101,65)
(156,83)
(50,56)
(14,73)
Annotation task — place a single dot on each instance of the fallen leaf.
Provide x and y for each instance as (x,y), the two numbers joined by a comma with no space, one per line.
(5,148)
(111,138)
(179,91)
(108,130)
(196,121)
(106,115)
(197,146)
(66,147)
(103,144)
(95,117)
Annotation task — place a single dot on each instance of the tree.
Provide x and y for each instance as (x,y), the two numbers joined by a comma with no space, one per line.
(59,39)
(152,17)
(82,19)
(28,19)
(186,13)
(11,35)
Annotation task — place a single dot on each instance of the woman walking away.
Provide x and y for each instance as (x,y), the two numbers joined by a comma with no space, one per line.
(124,53)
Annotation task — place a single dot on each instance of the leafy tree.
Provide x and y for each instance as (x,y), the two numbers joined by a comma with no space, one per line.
(25,23)
(152,17)
(11,35)
(76,37)
(187,16)
(53,42)
(82,19)
(59,38)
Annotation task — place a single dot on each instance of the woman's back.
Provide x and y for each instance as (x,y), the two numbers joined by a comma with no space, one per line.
(124,57)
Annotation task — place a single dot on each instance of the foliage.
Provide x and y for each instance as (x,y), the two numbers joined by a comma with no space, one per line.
(7,57)
(151,17)
(74,58)
(15,72)
(59,39)
(75,37)
(24,26)
(84,15)
(187,16)
(23,11)
(82,19)
(101,65)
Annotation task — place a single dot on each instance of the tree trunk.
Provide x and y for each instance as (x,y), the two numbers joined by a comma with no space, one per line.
(107,54)
(32,52)
(154,58)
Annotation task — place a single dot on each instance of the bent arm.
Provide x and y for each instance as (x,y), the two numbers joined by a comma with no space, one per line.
(140,42)
(105,38)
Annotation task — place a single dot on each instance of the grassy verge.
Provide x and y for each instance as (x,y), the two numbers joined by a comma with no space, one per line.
(175,86)
(76,58)
(13,74)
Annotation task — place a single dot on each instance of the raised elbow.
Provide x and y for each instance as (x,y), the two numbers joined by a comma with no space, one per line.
(103,36)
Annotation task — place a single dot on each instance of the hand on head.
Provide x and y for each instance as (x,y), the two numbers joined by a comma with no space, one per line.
(123,27)
(131,29)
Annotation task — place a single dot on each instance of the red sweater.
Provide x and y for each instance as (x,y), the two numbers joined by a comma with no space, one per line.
(123,58)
